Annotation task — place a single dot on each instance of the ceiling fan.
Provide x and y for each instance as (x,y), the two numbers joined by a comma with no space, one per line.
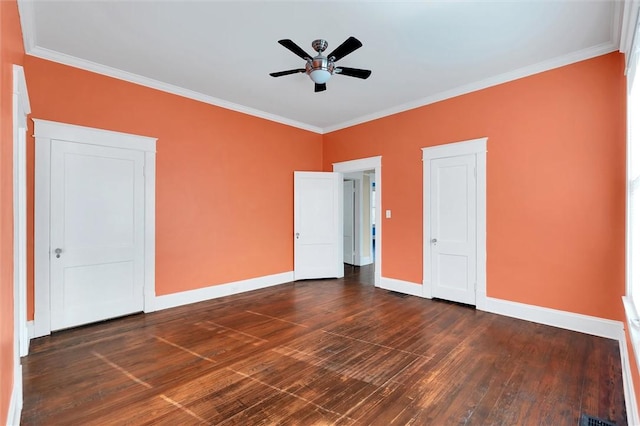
(320,68)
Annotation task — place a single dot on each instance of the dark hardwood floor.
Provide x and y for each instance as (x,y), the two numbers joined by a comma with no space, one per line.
(321,352)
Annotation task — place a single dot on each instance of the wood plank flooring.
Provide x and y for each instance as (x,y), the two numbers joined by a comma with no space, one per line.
(321,352)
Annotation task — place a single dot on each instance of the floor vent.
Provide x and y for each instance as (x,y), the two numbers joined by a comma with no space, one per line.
(587,420)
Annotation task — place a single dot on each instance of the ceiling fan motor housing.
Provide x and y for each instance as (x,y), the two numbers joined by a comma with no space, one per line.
(320,63)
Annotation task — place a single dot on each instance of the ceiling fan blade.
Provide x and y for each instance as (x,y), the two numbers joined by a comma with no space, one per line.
(320,87)
(345,48)
(353,72)
(295,48)
(287,72)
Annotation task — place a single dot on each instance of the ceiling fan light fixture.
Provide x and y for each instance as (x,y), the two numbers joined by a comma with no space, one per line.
(320,76)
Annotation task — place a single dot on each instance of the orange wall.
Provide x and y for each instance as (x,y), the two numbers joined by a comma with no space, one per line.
(555,183)
(11,52)
(224,181)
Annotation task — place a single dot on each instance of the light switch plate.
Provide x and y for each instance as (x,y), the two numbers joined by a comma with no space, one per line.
(387,214)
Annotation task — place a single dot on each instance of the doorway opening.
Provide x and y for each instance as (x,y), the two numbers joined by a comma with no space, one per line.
(362,230)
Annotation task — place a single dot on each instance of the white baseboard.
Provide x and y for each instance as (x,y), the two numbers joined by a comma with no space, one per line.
(15,404)
(406,287)
(555,318)
(215,291)
(561,319)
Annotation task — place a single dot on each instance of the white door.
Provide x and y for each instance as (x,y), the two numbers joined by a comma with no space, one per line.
(97,232)
(349,193)
(453,228)
(317,225)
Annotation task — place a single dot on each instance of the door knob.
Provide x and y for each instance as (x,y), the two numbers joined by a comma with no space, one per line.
(434,240)
(57,252)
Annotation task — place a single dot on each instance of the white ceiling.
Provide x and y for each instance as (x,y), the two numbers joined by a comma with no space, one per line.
(222,52)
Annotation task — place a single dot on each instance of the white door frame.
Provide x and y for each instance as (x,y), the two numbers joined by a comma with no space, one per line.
(358,178)
(362,165)
(479,148)
(21,108)
(355,248)
(45,133)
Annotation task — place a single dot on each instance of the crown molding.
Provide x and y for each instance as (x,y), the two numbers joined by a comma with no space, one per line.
(75,62)
(558,62)
(627,25)
(28,23)
(617,16)
(624,21)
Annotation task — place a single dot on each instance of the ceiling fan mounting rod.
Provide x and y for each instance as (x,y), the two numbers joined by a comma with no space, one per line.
(319,45)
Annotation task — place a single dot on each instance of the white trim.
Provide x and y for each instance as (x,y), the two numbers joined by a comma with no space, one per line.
(21,109)
(567,320)
(360,231)
(31,332)
(150,234)
(360,165)
(27,23)
(42,315)
(406,287)
(633,327)
(31,48)
(582,55)
(617,15)
(45,132)
(75,62)
(44,53)
(628,26)
(479,148)
(15,403)
(221,290)
(454,149)
(88,135)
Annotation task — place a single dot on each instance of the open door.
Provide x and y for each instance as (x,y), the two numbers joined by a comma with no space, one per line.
(318,228)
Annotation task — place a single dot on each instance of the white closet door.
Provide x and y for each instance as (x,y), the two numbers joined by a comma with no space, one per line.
(97,233)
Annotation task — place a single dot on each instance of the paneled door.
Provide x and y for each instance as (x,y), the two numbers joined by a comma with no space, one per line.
(97,233)
(453,228)
(318,239)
